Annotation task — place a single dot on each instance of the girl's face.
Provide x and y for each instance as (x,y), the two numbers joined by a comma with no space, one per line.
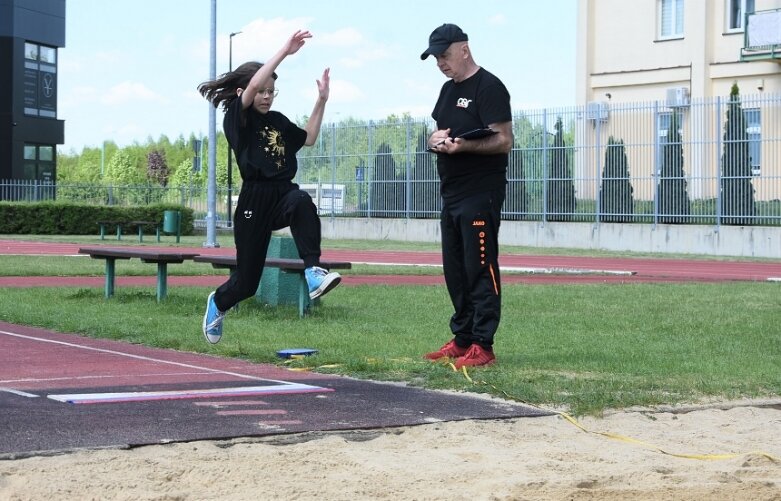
(265,97)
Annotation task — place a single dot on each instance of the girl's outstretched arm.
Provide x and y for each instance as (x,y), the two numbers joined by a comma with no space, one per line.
(291,46)
(316,118)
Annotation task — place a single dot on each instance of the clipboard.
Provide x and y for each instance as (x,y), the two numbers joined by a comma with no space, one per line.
(477,133)
(471,134)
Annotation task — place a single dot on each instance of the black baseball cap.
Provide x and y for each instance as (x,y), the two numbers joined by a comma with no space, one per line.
(441,38)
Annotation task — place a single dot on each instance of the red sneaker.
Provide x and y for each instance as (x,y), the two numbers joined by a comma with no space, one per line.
(450,350)
(475,356)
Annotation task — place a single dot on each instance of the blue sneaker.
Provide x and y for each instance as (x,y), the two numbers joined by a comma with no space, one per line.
(320,281)
(212,321)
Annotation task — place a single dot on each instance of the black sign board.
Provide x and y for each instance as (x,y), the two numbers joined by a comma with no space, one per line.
(40,90)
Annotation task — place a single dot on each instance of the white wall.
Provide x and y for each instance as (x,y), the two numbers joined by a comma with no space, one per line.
(734,241)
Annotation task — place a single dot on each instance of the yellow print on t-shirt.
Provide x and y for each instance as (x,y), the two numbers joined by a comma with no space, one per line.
(272,143)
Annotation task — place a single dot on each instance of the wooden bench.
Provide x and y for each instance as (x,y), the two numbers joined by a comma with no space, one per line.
(161,258)
(139,225)
(286,265)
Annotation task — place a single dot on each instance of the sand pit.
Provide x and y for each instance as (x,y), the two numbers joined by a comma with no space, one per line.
(526,458)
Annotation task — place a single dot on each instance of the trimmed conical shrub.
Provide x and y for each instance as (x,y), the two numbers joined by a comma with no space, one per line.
(737,190)
(674,203)
(616,195)
(560,201)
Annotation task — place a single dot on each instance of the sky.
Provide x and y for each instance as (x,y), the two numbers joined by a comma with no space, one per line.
(129,70)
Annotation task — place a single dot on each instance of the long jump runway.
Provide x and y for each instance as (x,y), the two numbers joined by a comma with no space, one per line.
(62,392)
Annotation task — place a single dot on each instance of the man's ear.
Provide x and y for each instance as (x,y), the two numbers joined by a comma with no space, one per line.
(239,90)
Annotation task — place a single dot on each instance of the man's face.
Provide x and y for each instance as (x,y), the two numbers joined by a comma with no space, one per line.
(453,61)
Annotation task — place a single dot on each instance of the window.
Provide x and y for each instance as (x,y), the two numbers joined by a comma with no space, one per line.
(31,51)
(670,19)
(39,163)
(48,55)
(754,134)
(736,13)
(40,80)
(663,122)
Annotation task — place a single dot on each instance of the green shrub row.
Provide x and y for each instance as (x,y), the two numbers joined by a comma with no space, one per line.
(62,218)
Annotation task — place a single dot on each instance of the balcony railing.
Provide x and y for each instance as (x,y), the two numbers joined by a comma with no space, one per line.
(762,37)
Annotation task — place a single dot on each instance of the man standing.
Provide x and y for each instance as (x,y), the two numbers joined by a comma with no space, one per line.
(472,143)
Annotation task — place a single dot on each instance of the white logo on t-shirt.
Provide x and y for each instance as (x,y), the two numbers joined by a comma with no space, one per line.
(463,102)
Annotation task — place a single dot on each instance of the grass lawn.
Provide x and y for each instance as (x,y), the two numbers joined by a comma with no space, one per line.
(580,348)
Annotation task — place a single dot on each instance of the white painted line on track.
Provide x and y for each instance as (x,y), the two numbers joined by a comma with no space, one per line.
(519,269)
(141,396)
(81,378)
(140,357)
(418,265)
(566,271)
(18,392)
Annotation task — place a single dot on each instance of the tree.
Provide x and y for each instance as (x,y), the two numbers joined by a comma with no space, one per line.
(517,201)
(183,175)
(616,199)
(122,171)
(426,200)
(386,199)
(737,190)
(560,203)
(674,203)
(157,168)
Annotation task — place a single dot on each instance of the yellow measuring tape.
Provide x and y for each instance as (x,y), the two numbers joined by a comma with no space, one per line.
(615,436)
(572,420)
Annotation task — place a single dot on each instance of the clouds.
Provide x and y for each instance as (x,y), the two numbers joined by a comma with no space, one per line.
(261,38)
(343,38)
(131,67)
(135,93)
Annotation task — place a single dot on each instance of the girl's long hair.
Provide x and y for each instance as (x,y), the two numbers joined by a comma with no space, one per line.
(223,89)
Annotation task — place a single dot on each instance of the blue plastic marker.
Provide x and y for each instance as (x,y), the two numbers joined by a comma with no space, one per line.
(296,352)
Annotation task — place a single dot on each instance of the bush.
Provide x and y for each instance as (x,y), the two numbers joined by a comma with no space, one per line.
(57,218)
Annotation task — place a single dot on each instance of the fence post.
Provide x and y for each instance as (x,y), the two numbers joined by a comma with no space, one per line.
(719,148)
(656,171)
(333,167)
(544,166)
(408,170)
(598,173)
(370,167)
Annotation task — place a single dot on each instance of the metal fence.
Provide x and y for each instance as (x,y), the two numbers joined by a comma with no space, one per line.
(715,161)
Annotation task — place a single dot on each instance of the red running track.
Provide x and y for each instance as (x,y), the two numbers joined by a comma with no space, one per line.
(536,268)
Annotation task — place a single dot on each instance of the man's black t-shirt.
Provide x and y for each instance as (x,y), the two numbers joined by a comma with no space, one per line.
(476,102)
(265,145)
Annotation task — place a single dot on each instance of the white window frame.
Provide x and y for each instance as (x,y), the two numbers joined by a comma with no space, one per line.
(676,9)
(733,21)
(663,120)
(753,120)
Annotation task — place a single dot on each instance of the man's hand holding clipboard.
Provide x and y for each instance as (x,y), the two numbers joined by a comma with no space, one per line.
(477,133)
(471,134)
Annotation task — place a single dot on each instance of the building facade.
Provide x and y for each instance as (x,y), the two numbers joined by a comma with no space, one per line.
(647,50)
(652,72)
(31,31)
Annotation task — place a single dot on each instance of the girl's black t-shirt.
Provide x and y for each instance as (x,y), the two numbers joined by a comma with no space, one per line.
(265,145)
(476,102)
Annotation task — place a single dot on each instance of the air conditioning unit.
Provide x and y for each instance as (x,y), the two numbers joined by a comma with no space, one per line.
(678,97)
(597,110)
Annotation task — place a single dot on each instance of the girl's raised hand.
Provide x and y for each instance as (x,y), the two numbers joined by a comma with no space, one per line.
(296,41)
(324,84)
